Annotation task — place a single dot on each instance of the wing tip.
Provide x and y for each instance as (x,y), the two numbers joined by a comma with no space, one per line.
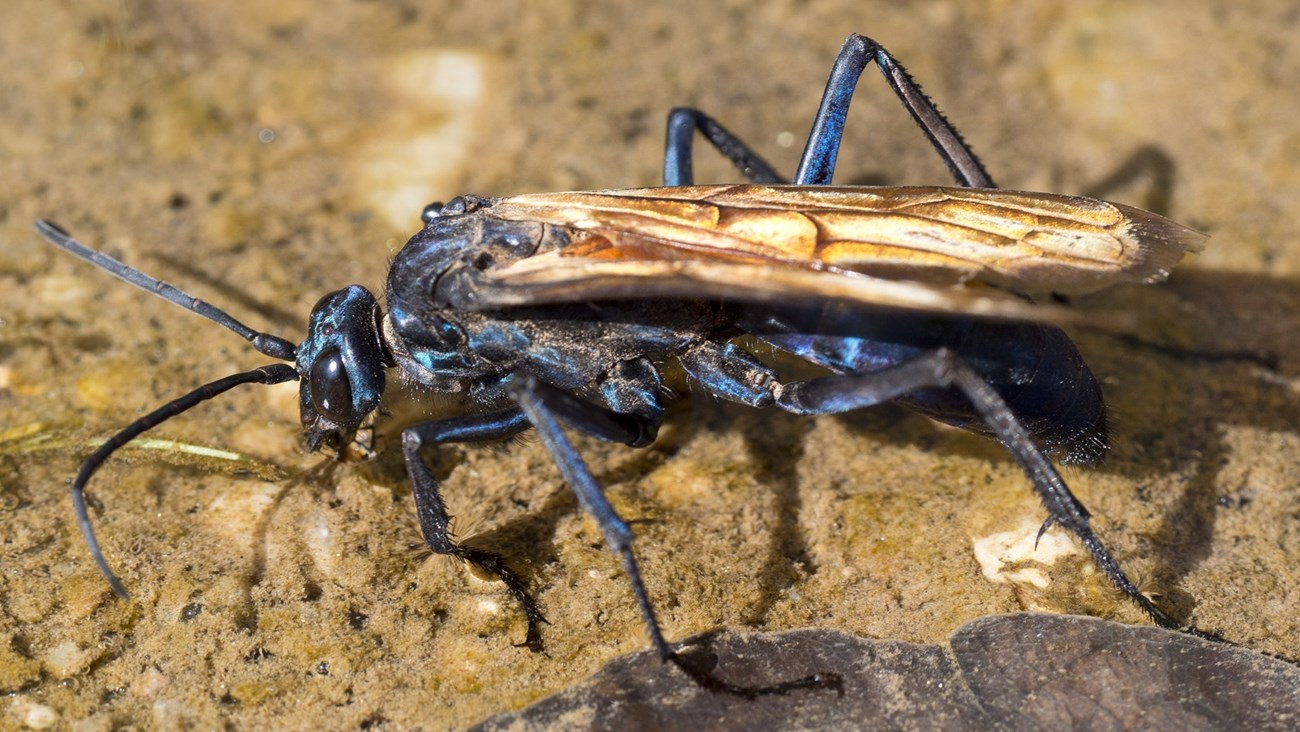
(1162,242)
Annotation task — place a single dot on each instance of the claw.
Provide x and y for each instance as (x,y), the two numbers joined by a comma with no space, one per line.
(1043,530)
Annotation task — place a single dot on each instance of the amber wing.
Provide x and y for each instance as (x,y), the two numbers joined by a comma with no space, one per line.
(926,248)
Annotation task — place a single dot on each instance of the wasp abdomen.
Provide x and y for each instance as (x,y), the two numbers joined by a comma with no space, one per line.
(1035,368)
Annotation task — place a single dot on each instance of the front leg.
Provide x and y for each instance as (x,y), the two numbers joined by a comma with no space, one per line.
(435,523)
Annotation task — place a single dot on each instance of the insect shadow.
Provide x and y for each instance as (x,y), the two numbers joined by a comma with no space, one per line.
(1151,173)
(555,311)
(1224,367)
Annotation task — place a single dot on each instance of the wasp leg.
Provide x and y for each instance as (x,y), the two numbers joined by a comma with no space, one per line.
(631,388)
(729,372)
(817,166)
(545,405)
(941,369)
(682,124)
(432,511)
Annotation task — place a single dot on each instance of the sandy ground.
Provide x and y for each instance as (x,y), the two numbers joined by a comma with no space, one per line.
(260,156)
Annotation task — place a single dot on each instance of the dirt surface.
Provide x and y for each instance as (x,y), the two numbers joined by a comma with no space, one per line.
(261,155)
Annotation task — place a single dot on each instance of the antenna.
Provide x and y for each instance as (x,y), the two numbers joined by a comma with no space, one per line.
(275,373)
(270,345)
(265,343)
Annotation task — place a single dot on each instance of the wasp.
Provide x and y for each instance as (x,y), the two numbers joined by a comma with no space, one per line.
(556,312)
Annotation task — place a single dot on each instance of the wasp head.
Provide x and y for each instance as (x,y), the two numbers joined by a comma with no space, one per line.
(341,367)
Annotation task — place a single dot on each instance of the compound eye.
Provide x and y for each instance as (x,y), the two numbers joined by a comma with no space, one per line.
(331,392)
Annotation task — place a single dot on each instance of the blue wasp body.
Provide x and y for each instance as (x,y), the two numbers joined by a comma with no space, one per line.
(440,341)
(1035,368)
(556,310)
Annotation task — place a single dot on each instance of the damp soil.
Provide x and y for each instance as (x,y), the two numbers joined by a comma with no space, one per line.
(259,156)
